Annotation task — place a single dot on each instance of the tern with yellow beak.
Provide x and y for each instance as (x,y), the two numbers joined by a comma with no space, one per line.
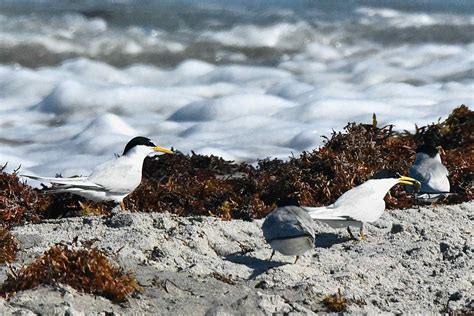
(112,180)
(362,204)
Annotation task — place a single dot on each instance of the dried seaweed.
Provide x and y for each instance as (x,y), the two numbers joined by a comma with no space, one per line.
(223,278)
(89,208)
(335,302)
(8,246)
(18,202)
(338,303)
(209,185)
(85,269)
(200,185)
(457,129)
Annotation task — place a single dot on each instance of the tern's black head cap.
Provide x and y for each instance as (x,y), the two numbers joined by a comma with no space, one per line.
(137,141)
(287,201)
(428,149)
(386,174)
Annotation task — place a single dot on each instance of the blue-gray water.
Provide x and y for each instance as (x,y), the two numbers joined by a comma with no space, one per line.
(191,26)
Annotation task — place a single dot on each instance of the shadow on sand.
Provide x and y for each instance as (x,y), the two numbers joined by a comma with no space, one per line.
(327,240)
(259,266)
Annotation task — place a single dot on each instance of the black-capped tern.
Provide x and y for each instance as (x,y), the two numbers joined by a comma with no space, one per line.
(362,204)
(112,180)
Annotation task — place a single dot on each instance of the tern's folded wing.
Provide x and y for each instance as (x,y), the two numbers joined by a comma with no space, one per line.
(287,222)
(119,175)
(79,181)
(324,213)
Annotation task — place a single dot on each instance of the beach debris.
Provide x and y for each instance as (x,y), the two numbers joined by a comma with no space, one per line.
(335,302)
(84,268)
(205,185)
(223,278)
(89,208)
(8,246)
(18,201)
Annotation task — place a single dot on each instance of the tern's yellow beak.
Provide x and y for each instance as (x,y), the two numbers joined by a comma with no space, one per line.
(162,150)
(409,181)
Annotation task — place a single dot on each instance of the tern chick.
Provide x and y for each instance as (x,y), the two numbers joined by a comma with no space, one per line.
(112,180)
(362,204)
(289,230)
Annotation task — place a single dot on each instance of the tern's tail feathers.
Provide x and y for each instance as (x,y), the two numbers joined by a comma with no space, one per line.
(80,181)
(322,213)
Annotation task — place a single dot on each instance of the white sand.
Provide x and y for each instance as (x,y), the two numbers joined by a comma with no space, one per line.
(415,260)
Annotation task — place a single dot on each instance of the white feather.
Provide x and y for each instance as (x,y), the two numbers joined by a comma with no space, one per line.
(363,203)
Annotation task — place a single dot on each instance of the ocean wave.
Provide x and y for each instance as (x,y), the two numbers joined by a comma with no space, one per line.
(77,84)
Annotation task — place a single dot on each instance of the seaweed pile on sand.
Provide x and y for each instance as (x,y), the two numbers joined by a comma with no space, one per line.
(208,185)
(85,268)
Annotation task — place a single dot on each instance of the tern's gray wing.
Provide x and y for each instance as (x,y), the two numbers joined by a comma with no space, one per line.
(287,222)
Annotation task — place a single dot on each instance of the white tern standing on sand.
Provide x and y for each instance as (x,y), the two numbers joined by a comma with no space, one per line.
(112,180)
(362,204)
(430,171)
(289,230)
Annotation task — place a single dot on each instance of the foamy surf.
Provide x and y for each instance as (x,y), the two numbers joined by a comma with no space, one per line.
(240,81)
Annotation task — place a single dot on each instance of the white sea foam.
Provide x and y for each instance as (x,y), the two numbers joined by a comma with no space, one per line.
(229,107)
(404,19)
(295,81)
(282,35)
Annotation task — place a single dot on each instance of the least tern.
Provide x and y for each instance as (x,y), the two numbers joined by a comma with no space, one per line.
(430,171)
(112,180)
(289,230)
(362,204)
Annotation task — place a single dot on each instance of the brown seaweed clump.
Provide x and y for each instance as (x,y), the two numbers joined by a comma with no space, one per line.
(335,302)
(200,185)
(338,303)
(86,269)
(8,246)
(194,185)
(456,130)
(209,185)
(19,202)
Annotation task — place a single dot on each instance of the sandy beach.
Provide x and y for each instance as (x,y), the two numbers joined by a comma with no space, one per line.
(415,261)
(259,102)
